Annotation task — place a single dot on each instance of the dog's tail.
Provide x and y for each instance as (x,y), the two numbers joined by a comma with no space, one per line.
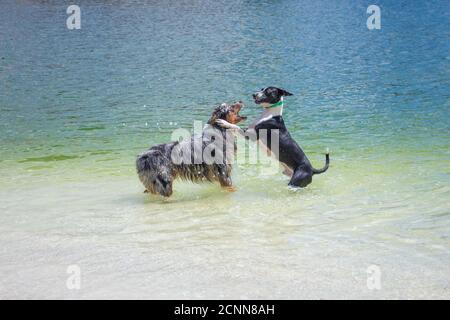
(327,163)
(146,167)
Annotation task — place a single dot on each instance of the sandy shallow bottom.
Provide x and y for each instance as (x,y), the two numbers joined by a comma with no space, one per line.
(262,241)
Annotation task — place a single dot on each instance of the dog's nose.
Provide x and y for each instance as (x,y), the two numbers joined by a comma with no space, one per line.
(254,95)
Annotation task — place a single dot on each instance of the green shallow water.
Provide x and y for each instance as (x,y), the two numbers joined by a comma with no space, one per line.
(78,106)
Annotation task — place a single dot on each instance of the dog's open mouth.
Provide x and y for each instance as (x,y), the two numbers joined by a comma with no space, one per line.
(237,107)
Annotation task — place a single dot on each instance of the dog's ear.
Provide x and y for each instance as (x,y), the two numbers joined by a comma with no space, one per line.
(213,118)
(218,113)
(284,92)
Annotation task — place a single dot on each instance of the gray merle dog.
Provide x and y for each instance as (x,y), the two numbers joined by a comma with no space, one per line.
(159,166)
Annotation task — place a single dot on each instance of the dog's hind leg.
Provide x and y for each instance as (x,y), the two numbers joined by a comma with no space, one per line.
(287,171)
(301,178)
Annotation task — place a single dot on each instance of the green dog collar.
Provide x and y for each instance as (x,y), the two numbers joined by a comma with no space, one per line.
(279,103)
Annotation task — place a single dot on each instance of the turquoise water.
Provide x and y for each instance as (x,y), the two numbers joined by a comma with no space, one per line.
(78,105)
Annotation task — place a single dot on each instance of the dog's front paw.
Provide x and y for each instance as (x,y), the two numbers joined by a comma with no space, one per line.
(225,124)
(231,188)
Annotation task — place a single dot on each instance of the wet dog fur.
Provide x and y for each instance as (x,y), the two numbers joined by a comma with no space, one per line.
(157,169)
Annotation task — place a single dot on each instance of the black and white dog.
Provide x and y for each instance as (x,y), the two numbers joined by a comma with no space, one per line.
(289,153)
